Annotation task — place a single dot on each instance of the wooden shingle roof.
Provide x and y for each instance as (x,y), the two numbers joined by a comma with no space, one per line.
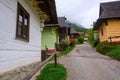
(61,22)
(108,10)
(73,31)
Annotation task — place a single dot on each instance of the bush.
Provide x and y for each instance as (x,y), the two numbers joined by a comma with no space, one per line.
(95,42)
(50,72)
(73,42)
(115,52)
(63,45)
(67,42)
(81,40)
(104,47)
(91,42)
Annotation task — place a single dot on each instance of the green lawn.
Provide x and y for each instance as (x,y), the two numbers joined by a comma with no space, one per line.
(50,72)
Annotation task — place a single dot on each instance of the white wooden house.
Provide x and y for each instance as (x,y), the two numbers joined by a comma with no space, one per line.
(21,23)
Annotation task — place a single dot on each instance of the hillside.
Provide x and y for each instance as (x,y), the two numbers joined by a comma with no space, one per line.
(76,27)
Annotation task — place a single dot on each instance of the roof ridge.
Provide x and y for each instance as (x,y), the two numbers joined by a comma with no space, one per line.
(109,2)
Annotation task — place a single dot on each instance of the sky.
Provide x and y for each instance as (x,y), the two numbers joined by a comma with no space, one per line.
(80,12)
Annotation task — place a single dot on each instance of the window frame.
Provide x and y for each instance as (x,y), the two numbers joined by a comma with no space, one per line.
(25,13)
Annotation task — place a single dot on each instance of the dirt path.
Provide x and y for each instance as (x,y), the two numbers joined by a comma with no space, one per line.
(84,63)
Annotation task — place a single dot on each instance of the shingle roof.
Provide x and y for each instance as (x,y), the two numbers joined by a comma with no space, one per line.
(73,31)
(61,22)
(98,23)
(108,10)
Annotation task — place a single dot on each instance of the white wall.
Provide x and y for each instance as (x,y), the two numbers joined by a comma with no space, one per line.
(13,52)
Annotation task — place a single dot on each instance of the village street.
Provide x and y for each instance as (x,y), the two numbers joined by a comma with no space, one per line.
(84,63)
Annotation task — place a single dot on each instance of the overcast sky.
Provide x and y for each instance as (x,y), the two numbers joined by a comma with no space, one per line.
(83,12)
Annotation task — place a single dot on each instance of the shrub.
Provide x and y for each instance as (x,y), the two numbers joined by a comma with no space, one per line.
(73,42)
(104,47)
(95,42)
(63,45)
(81,40)
(91,42)
(115,52)
(67,42)
(67,51)
(50,72)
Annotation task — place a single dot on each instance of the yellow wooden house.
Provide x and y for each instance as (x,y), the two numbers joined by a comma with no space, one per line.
(108,23)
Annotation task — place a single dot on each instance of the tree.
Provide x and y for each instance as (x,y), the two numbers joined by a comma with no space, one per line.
(90,34)
(93,42)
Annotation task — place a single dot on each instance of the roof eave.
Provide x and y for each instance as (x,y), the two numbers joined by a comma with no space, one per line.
(45,9)
(99,23)
(51,25)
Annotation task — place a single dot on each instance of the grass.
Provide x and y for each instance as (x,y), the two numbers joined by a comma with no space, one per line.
(115,52)
(110,50)
(50,72)
(67,51)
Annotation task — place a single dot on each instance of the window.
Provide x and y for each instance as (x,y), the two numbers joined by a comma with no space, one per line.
(22,30)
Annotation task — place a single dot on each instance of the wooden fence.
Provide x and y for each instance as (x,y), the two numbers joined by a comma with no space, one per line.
(37,68)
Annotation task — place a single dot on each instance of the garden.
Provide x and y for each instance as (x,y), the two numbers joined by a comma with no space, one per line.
(50,72)
(105,48)
(112,50)
(58,72)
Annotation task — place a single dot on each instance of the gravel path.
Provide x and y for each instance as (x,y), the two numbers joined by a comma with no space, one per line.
(84,63)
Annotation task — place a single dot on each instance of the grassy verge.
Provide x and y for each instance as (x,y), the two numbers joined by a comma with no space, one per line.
(68,49)
(115,52)
(50,72)
(104,47)
(109,50)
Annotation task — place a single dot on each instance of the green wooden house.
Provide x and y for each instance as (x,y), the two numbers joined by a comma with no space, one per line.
(50,38)
(49,34)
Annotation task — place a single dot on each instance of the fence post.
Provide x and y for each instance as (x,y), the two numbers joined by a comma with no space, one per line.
(55,59)
(110,40)
(38,67)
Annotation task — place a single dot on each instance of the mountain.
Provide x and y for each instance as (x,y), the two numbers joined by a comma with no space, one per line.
(78,28)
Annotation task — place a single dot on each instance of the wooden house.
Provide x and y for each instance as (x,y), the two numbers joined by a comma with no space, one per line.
(49,39)
(49,34)
(108,23)
(74,34)
(21,23)
(64,29)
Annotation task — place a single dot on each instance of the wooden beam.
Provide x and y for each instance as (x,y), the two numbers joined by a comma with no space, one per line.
(52,11)
(40,2)
(37,68)
(38,10)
